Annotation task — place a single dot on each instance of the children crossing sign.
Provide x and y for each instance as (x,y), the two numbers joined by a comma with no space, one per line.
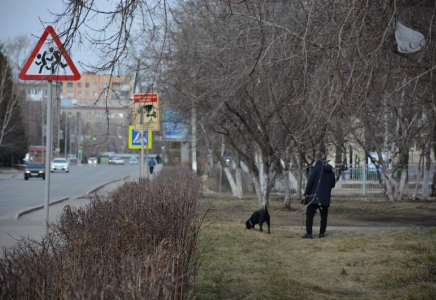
(148,104)
(49,60)
(135,139)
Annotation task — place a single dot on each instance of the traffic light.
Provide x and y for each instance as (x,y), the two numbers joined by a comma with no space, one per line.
(80,147)
(94,137)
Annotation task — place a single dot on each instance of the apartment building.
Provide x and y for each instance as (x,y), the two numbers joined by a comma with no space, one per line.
(98,126)
(94,111)
(94,87)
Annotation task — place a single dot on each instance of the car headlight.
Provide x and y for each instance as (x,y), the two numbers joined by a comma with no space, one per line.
(27,171)
(40,172)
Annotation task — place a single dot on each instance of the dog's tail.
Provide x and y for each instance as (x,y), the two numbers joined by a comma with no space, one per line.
(266,208)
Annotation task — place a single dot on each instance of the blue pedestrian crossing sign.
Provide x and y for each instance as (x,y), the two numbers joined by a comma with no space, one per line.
(135,139)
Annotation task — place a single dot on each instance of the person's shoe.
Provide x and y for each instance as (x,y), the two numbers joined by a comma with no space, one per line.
(321,235)
(307,236)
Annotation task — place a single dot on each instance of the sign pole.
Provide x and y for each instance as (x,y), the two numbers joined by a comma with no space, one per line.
(141,165)
(48,150)
(148,169)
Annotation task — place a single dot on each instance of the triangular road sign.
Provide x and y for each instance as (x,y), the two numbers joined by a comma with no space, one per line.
(49,61)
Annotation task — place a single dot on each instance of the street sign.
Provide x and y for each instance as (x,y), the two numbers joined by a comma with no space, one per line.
(150,104)
(49,60)
(135,139)
(175,127)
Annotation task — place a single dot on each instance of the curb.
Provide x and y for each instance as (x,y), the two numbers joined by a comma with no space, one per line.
(38,207)
(67,198)
(94,190)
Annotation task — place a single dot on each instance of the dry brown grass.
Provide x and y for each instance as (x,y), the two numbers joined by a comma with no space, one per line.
(140,243)
(351,263)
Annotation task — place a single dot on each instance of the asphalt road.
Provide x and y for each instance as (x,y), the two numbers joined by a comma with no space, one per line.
(17,194)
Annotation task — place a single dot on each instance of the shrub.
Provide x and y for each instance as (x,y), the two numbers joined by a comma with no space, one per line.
(138,243)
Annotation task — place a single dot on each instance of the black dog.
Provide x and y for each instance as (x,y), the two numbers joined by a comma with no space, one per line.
(259,217)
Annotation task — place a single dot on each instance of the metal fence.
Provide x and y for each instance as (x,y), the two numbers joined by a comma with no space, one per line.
(360,180)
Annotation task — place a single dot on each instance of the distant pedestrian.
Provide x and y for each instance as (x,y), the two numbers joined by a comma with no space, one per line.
(151,164)
(317,194)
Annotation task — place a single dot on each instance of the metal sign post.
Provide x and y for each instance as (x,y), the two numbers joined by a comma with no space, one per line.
(141,165)
(48,151)
(49,61)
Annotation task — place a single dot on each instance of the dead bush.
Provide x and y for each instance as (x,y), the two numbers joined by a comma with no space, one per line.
(139,243)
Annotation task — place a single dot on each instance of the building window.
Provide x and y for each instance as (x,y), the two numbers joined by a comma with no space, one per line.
(88,114)
(125,86)
(69,84)
(87,84)
(79,94)
(98,124)
(79,84)
(98,114)
(95,94)
(45,92)
(104,85)
(70,95)
(69,114)
(86,94)
(94,85)
(120,115)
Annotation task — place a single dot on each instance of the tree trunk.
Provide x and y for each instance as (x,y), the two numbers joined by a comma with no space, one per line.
(424,192)
(288,191)
(230,180)
(257,187)
(266,189)
(238,175)
(404,175)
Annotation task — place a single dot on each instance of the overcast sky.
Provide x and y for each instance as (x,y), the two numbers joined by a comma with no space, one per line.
(23,17)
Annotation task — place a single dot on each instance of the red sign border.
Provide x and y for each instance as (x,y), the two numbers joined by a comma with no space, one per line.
(49,30)
(145,97)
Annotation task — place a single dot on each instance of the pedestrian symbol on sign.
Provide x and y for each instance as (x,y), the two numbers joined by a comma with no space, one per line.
(137,139)
(55,55)
(49,60)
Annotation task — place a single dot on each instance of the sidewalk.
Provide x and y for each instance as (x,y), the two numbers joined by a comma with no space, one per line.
(7,173)
(30,223)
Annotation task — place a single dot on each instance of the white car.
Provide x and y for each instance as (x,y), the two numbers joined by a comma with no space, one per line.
(92,161)
(72,158)
(60,164)
(116,161)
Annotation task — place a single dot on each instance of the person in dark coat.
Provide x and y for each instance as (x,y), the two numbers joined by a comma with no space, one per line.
(317,194)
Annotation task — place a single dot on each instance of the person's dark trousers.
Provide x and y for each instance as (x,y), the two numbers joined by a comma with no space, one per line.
(151,170)
(310,214)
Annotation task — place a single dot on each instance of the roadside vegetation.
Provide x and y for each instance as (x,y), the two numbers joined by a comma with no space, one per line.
(355,262)
(139,243)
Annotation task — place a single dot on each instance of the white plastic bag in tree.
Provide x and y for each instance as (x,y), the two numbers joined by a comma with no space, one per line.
(408,40)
